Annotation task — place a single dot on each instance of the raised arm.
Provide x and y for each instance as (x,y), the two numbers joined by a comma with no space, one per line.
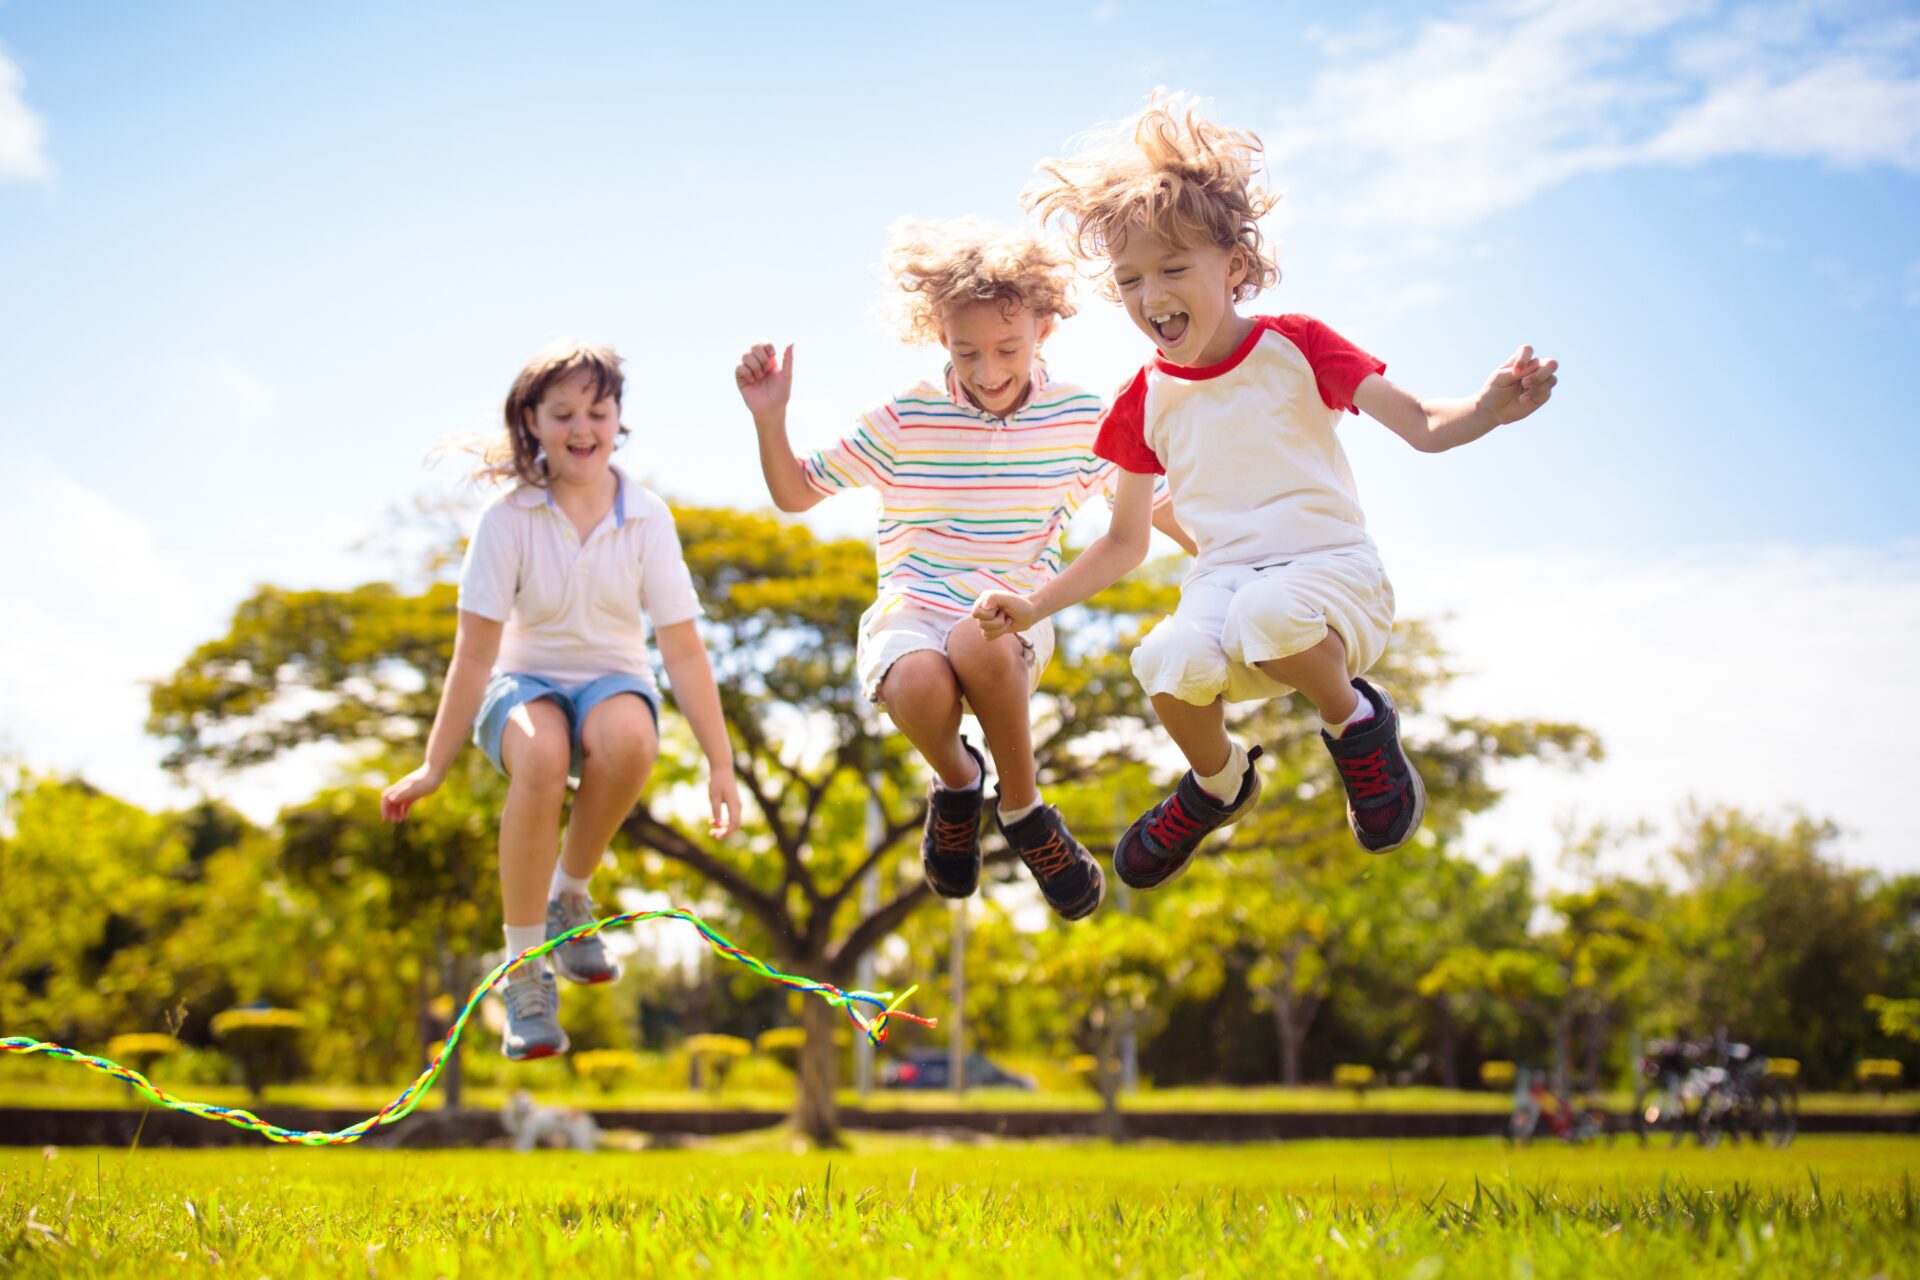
(1514,390)
(1112,556)
(691,675)
(765,379)
(476,643)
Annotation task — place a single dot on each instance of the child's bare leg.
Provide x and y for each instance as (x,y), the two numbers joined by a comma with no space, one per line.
(620,747)
(1319,673)
(923,698)
(1199,732)
(993,674)
(536,749)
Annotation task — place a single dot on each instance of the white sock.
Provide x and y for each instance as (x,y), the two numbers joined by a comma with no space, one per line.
(1224,786)
(1361,714)
(979,776)
(564,883)
(1011,816)
(519,938)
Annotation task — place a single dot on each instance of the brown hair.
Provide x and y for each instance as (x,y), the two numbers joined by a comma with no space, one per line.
(944,264)
(1168,171)
(515,455)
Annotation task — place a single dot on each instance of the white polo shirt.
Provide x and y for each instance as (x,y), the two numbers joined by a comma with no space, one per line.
(573,610)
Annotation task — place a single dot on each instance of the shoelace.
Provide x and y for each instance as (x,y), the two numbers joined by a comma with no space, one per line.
(1051,858)
(1367,774)
(1174,825)
(954,835)
(531,999)
(573,914)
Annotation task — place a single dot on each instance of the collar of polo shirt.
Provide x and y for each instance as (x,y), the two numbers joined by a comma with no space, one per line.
(530,496)
(959,396)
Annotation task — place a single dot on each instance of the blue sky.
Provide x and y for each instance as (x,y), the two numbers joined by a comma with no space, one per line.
(255,262)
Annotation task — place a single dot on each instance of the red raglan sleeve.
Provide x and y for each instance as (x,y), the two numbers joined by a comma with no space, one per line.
(1122,438)
(1339,367)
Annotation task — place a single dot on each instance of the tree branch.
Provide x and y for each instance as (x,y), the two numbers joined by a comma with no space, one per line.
(643,828)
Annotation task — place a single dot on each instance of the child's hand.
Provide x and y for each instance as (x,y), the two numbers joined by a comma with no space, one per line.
(723,794)
(1518,387)
(400,797)
(1002,612)
(764,378)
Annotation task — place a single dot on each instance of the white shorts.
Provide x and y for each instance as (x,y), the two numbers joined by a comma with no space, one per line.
(1232,617)
(909,627)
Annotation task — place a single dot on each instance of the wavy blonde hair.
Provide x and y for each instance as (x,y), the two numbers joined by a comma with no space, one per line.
(514,454)
(1166,170)
(937,265)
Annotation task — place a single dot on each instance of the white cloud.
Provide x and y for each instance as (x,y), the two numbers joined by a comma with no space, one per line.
(93,610)
(23,134)
(1763,677)
(1398,153)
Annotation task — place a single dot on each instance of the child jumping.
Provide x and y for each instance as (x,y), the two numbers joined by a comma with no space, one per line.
(551,670)
(1239,413)
(978,475)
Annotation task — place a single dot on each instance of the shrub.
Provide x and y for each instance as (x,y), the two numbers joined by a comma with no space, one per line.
(1355,1076)
(607,1069)
(265,1043)
(1881,1074)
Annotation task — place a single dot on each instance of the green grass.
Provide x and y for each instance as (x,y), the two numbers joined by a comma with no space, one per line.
(756,1207)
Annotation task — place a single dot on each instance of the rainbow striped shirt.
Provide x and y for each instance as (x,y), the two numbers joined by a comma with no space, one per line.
(970,503)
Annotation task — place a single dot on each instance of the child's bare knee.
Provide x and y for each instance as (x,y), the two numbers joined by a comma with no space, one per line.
(920,687)
(618,734)
(977,659)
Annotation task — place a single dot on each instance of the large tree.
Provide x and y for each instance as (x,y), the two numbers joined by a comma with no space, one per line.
(362,668)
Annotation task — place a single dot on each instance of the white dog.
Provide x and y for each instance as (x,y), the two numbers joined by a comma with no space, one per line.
(531,1125)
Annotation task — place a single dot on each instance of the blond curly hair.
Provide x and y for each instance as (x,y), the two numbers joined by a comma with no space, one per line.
(937,265)
(1166,170)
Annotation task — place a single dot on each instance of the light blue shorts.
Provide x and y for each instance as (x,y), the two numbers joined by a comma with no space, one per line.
(510,689)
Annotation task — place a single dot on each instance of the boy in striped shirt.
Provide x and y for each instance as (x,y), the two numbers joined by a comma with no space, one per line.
(978,475)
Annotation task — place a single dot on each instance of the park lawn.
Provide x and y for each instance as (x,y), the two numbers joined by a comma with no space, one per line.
(758,1207)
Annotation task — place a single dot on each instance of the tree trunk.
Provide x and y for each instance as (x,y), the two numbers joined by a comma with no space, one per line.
(815,1113)
(1105,1043)
(1596,1043)
(1291,1034)
(460,983)
(1563,1049)
(1448,1046)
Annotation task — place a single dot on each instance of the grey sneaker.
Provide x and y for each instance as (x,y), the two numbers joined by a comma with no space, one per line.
(584,960)
(533,1018)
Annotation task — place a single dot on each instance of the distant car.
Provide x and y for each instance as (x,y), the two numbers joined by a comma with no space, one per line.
(927,1069)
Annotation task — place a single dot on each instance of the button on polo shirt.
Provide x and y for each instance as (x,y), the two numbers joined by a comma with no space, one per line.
(574,610)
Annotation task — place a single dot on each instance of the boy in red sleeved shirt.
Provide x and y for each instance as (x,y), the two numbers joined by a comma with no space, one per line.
(1240,414)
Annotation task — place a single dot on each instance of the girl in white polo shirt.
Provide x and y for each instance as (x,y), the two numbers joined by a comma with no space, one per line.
(551,668)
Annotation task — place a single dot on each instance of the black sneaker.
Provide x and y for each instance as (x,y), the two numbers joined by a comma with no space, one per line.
(950,842)
(1160,843)
(1385,798)
(1067,874)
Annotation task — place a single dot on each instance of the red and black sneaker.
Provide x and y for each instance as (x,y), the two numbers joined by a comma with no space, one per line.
(950,841)
(1160,843)
(1385,798)
(1068,876)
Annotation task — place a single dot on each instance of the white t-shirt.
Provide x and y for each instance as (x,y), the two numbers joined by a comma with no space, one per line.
(1249,446)
(573,611)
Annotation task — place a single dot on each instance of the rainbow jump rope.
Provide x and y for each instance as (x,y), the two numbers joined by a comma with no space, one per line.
(873,1027)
